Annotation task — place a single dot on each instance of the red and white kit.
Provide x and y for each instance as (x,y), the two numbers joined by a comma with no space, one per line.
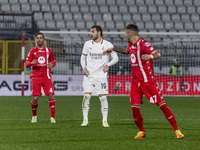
(143,81)
(41,74)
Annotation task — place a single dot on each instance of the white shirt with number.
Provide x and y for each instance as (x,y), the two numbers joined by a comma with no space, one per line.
(95,60)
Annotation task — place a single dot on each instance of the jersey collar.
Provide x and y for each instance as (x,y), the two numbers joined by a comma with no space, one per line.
(99,42)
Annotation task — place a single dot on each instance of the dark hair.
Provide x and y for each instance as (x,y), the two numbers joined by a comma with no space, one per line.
(132,27)
(39,33)
(98,28)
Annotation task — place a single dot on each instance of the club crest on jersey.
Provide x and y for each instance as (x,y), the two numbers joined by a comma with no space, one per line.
(103,48)
(41,60)
(147,44)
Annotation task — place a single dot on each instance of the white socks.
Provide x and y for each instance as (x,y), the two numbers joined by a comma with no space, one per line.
(104,107)
(86,106)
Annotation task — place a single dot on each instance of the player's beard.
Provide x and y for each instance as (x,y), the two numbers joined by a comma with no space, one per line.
(94,38)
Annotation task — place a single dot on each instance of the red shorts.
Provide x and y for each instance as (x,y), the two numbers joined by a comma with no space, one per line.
(37,83)
(149,89)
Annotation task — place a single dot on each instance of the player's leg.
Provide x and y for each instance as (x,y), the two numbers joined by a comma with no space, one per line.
(101,86)
(36,93)
(154,95)
(49,92)
(88,88)
(136,99)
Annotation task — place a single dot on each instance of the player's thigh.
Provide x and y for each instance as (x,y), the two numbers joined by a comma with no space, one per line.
(152,92)
(101,85)
(135,93)
(36,85)
(48,86)
(88,85)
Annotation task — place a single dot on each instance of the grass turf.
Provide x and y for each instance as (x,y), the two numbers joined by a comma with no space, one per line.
(17,132)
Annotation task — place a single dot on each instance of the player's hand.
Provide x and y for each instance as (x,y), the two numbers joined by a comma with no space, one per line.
(50,65)
(34,62)
(108,51)
(146,57)
(85,71)
(105,68)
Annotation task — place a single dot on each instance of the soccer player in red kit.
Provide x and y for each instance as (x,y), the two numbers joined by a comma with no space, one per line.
(141,54)
(42,60)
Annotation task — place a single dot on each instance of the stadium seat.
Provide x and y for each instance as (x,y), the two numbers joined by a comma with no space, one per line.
(196,3)
(175,17)
(23,1)
(50,24)
(165,17)
(136,17)
(107,17)
(42,1)
(101,23)
(155,17)
(191,9)
(168,26)
(188,26)
(25,8)
(120,2)
(132,9)
(126,17)
(41,24)
(55,8)
(159,2)
(114,9)
(13,2)
(16,8)
(45,7)
(72,2)
(60,24)
(80,25)
(103,9)
(123,9)
(139,2)
(91,2)
(111,2)
(171,9)
(159,25)
(178,26)
(53,2)
(89,24)
(38,16)
(48,16)
(120,25)
(181,9)
(185,17)
(4,1)
(64,8)
(152,9)
(67,16)
(6,8)
(35,7)
(198,9)
(81,2)
(33,1)
(58,16)
(197,26)
(87,17)
(188,2)
(142,9)
(74,9)
(130,3)
(146,17)
(162,9)
(149,2)
(117,17)
(94,9)
(77,16)
(101,2)
(195,18)
(149,26)
(70,25)
(178,3)
(61,2)
(140,24)
(84,8)
(169,2)
(97,17)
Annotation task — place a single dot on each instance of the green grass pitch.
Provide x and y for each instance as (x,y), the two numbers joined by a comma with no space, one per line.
(17,132)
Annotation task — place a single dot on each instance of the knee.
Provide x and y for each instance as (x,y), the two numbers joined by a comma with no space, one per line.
(50,96)
(102,97)
(35,99)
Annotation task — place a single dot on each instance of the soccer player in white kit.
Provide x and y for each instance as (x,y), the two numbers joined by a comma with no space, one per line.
(95,67)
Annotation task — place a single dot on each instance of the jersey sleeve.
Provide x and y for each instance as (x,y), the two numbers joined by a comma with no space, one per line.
(29,59)
(52,59)
(85,49)
(110,45)
(147,47)
(128,48)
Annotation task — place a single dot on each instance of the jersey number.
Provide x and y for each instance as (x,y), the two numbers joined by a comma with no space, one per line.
(103,85)
(153,99)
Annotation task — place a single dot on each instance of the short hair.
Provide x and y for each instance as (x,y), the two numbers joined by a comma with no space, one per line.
(132,27)
(39,33)
(98,28)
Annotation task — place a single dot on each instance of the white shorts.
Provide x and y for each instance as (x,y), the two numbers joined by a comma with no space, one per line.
(99,84)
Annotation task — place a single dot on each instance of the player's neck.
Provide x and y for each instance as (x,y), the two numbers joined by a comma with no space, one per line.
(134,39)
(97,40)
(40,47)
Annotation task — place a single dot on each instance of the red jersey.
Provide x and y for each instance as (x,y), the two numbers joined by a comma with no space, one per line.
(43,57)
(141,70)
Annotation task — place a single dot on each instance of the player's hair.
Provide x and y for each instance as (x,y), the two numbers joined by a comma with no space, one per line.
(98,28)
(39,33)
(132,27)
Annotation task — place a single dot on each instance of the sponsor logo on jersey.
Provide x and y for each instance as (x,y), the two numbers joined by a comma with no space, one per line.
(41,60)
(151,48)
(41,51)
(133,47)
(147,44)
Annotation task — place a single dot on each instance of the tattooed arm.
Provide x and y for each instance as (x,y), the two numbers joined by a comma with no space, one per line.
(116,49)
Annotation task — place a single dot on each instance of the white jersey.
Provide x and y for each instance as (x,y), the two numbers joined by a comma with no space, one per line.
(95,60)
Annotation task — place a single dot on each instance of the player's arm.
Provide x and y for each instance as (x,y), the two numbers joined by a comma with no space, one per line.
(29,60)
(116,49)
(153,55)
(52,61)
(114,60)
(83,64)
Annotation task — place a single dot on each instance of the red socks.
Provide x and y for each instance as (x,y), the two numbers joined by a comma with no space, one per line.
(168,115)
(137,117)
(52,106)
(34,108)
